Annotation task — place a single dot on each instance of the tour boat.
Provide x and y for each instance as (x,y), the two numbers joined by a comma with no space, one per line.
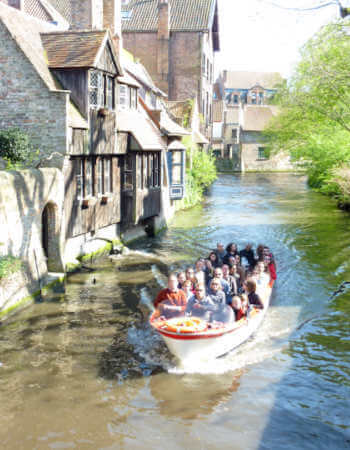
(191,339)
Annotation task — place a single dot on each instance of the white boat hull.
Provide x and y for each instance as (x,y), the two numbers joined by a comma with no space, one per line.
(213,343)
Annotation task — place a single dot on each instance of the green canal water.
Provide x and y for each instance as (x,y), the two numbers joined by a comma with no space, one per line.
(83,370)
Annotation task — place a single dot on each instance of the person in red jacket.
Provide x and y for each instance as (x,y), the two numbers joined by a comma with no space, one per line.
(171,301)
(272,269)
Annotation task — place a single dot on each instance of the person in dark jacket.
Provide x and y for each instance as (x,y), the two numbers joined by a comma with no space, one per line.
(214,260)
(253,297)
(220,251)
(248,254)
(231,250)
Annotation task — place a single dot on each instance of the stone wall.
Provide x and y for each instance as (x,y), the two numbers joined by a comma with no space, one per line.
(251,160)
(23,197)
(27,103)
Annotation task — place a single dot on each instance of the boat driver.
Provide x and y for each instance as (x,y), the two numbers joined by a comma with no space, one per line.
(171,301)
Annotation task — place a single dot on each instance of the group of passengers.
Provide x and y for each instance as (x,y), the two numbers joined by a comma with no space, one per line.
(226,277)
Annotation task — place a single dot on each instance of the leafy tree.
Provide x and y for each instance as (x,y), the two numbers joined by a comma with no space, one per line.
(314,122)
(15,146)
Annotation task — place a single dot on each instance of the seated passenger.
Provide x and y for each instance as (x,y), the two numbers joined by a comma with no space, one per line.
(248,254)
(253,297)
(232,281)
(181,278)
(231,250)
(188,288)
(171,301)
(215,260)
(240,268)
(238,308)
(216,293)
(260,252)
(237,280)
(190,275)
(220,251)
(263,277)
(199,304)
(224,284)
(199,271)
(208,271)
(272,269)
(245,303)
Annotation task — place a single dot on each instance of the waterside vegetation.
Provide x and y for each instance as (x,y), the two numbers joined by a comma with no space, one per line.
(314,120)
(200,172)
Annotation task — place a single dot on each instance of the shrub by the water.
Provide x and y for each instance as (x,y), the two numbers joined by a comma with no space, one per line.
(15,147)
(9,265)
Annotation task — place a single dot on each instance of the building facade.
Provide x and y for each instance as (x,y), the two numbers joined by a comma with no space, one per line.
(246,99)
(177,49)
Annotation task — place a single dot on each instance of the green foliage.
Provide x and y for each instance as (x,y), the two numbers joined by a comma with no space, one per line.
(314,122)
(186,122)
(200,172)
(8,265)
(15,147)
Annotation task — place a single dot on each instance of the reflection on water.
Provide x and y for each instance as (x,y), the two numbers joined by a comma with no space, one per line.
(84,369)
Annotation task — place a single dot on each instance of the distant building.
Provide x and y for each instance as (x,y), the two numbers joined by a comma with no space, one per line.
(245,99)
(176,41)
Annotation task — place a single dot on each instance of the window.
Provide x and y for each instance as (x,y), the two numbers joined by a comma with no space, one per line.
(99,176)
(96,89)
(234,134)
(176,167)
(203,65)
(145,171)
(253,97)
(124,96)
(107,175)
(79,171)
(128,173)
(126,15)
(261,98)
(262,154)
(156,169)
(88,188)
(235,98)
(153,100)
(133,99)
(110,101)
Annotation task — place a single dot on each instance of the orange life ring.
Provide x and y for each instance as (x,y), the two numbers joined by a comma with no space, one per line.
(185,325)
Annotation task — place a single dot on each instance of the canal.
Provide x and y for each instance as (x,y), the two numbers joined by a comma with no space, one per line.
(83,370)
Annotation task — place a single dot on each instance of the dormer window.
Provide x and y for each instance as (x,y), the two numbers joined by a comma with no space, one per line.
(124,96)
(133,98)
(101,90)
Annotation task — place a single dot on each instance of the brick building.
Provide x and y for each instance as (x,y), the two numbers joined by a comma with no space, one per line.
(176,42)
(68,91)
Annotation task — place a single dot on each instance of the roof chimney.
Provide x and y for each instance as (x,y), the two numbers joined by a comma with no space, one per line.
(163,19)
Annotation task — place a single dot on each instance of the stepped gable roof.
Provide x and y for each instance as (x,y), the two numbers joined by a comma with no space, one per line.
(257,117)
(232,115)
(247,80)
(218,110)
(25,31)
(185,15)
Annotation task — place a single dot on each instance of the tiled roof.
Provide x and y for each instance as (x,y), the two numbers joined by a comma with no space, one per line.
(127,79)
(25,30)
(72,49)
(170,127)
(185,15)
(256,117)
(142,128)
(247,80)
(232,115)
(218,110)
